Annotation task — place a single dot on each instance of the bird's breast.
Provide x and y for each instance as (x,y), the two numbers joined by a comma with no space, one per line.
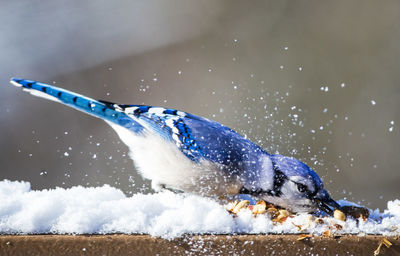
(161,161)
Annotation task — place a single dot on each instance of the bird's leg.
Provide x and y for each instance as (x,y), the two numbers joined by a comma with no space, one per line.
(159,187)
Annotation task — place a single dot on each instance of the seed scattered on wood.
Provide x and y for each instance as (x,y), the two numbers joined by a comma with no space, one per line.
(304,236)
(240,205)
(385,242)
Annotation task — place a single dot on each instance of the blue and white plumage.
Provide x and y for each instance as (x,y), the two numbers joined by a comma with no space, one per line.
(181,151)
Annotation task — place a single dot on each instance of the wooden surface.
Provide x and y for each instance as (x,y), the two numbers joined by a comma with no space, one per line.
(193,245)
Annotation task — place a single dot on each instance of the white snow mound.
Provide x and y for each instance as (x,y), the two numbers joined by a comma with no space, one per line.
(101,210)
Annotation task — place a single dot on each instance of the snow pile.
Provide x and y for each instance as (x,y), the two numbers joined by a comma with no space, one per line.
(105,209)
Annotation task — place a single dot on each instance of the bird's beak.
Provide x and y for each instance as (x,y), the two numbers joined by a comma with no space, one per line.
(325,203)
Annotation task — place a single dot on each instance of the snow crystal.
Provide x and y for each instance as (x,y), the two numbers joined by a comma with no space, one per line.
(324,88)
(102,210)
(391,126)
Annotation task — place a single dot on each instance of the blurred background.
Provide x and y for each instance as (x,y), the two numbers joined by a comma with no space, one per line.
(315,80)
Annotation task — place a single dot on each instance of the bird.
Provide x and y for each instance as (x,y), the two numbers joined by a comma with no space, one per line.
(183,152)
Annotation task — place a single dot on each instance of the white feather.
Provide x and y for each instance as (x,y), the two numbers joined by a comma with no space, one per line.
(41,95)
(15,83)
(181,114)
(130,110)
(157,111)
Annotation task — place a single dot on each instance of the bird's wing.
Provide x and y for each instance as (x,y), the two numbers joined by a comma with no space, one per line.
(197,137)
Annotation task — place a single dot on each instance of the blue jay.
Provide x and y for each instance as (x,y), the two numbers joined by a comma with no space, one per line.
(184,152)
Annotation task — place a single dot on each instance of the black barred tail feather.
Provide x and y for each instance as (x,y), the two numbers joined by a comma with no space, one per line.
(105,110)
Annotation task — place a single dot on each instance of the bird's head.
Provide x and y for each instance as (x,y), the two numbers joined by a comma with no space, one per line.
(296,187)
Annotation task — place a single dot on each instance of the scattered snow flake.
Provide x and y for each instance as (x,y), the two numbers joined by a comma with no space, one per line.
(324,88)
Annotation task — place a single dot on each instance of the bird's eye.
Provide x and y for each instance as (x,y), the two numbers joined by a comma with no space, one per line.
(301,187)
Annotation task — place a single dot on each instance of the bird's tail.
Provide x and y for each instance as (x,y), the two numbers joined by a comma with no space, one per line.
(110,112)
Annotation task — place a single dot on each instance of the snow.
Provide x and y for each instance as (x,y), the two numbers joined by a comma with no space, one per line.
(102,210)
